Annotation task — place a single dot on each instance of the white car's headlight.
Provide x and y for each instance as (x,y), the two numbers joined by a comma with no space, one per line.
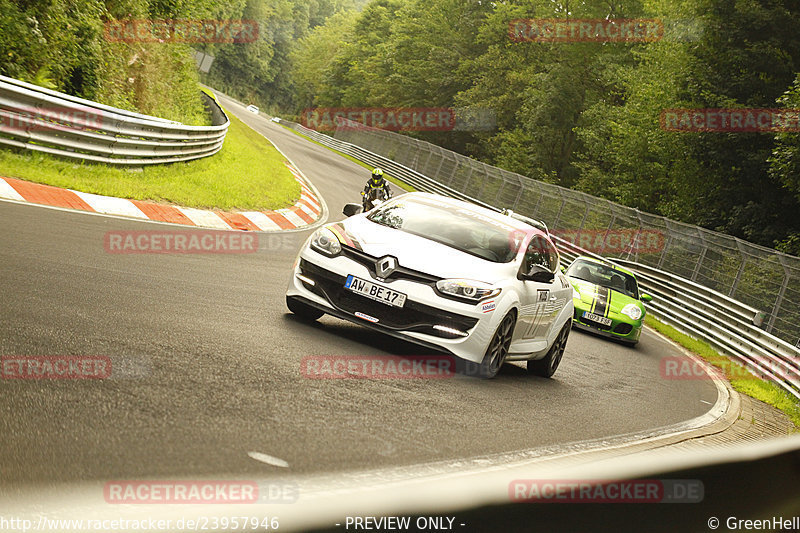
(466,289)
(326,242)
(633,311)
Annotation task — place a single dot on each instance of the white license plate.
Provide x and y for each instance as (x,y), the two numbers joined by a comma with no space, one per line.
(376,292)
(591,317)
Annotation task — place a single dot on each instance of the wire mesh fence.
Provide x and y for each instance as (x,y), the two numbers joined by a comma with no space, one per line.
(760,277)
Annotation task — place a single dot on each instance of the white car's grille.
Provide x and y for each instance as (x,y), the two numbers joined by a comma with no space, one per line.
(399,273)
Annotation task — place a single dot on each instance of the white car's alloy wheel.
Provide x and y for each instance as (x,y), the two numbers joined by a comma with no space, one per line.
(547,366)
(498,348)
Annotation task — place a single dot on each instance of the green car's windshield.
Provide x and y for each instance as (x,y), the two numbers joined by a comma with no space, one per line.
(605,276)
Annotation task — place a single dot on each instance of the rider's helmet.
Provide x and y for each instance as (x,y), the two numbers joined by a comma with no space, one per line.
(377,179)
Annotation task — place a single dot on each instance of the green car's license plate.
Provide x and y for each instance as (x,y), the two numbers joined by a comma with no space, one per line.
(591,317)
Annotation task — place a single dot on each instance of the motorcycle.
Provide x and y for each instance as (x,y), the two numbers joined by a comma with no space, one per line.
(373,198)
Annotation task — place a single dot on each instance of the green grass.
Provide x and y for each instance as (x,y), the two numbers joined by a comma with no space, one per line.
(247,174)
(400,183)
(740,378)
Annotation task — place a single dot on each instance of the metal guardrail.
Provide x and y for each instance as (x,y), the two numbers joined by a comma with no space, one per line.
(42,120)
(728,325)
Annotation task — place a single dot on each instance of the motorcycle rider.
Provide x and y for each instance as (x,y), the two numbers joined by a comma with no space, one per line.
(376,181)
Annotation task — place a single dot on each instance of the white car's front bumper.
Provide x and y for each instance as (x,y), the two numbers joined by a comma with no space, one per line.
(415,322)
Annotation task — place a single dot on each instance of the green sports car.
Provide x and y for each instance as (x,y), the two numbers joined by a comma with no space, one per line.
(607,299)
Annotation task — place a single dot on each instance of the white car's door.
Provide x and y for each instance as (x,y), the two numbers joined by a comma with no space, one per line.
(541,301)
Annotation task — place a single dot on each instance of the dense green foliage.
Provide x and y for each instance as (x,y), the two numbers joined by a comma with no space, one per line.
(586,114)
(62,44)
(259,72)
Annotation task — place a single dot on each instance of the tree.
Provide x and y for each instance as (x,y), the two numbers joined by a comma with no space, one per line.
(785,159)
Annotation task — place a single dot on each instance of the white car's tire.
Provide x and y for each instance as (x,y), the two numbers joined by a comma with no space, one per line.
(497,351)
(546,366)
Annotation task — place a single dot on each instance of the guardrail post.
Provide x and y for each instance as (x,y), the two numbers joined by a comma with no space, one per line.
(535,212)
(585,215)
(605,235)
(439,168)
(739,273)
(664,253)
(519,196)
(454,171)
(560,210)
(427,162)
(466,182)
(779,301)
(701,258)
(413,163)
(499,190)
(485,182)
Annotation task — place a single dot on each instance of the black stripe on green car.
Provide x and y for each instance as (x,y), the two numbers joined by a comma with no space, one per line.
(600,303)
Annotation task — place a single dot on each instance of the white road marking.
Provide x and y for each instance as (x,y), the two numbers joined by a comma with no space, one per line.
(261,220)
(111,205)
(291,217)
(309,197)
(7,191)
(268,459)
(308,211)
(203,218)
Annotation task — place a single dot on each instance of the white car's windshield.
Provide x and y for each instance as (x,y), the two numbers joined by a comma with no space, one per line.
(463,229)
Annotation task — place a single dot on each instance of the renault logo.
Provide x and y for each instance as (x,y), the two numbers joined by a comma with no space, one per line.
(385,266)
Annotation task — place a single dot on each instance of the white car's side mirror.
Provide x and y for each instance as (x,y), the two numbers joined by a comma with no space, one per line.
(537,273)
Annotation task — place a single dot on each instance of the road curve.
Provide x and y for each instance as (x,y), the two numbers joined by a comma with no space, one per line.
(211,362)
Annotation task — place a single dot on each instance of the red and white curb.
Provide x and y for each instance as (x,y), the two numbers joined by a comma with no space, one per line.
(304,212)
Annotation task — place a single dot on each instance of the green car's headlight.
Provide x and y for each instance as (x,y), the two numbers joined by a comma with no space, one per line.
(633,311)
(575,294)
(326,242)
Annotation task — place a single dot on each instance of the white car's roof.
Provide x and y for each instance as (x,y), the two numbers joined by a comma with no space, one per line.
(445,201)
(423,252)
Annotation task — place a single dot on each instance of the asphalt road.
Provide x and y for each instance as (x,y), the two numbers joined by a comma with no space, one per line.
(207,363)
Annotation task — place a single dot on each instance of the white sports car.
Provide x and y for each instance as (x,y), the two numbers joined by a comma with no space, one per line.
(442,273)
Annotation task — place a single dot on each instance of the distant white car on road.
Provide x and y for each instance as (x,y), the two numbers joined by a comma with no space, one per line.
(253,108)
(442,273)
(275,119)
